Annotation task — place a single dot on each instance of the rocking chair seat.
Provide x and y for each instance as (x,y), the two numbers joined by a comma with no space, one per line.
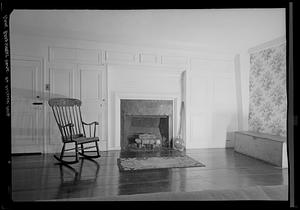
(82,140)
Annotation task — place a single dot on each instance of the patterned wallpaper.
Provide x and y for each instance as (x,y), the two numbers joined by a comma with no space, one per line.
(268,99)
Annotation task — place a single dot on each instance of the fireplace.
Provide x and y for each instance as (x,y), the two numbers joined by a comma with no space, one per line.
(146,124)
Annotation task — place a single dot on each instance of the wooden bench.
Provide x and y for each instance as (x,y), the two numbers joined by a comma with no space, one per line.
(266,147)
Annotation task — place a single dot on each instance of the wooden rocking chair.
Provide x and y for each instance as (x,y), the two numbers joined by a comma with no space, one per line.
(67,114)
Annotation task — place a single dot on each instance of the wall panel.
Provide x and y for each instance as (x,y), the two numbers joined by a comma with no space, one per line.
(213,103)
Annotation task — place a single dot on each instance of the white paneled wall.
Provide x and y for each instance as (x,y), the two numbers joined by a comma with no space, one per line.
(62,80)
(119,57)
(213,109)
(147,58)
(70,66)
(174,60)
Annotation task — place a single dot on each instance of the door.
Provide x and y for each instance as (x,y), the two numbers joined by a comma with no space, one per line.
(61,80)
(92,94)
(84,82)
(26,106)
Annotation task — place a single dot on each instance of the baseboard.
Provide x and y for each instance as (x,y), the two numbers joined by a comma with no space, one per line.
(23,154)
(113,148)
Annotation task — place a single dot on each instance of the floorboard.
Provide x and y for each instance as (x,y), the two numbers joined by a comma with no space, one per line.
(38,177)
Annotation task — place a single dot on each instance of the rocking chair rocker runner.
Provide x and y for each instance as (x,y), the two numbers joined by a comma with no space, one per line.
(73,130)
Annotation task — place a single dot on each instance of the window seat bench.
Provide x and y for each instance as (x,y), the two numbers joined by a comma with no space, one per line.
(266,147)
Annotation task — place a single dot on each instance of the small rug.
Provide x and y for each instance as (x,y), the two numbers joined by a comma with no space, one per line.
(134,164)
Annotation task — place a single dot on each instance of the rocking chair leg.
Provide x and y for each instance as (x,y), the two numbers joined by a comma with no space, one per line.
(82,150)
(76,151)
(62,151)
(98,154)
(60,158)
(91,156)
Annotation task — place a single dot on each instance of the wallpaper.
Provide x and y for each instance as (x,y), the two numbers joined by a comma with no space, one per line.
(268,99)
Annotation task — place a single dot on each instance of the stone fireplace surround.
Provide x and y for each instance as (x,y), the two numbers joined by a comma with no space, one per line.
(152,117)
(118,96)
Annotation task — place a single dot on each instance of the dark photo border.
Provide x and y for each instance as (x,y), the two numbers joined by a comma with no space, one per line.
(7,8)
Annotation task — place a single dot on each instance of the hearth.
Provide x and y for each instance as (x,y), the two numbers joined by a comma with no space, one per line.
(146,124)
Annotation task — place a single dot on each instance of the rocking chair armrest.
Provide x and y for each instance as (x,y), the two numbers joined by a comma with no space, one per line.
(65,133)
(95,122)
(90,125)
(68,125)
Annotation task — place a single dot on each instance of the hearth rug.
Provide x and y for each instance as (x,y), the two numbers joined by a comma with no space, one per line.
(134,164)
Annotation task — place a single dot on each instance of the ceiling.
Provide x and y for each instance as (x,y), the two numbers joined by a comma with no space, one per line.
(226,30)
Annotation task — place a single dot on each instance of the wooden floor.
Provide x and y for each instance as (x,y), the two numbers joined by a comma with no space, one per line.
(37,177)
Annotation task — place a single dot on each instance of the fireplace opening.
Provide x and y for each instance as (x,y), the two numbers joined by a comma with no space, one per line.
(146,132)
(146,124)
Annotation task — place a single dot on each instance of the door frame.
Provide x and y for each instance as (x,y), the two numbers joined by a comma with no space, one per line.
(41,62)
